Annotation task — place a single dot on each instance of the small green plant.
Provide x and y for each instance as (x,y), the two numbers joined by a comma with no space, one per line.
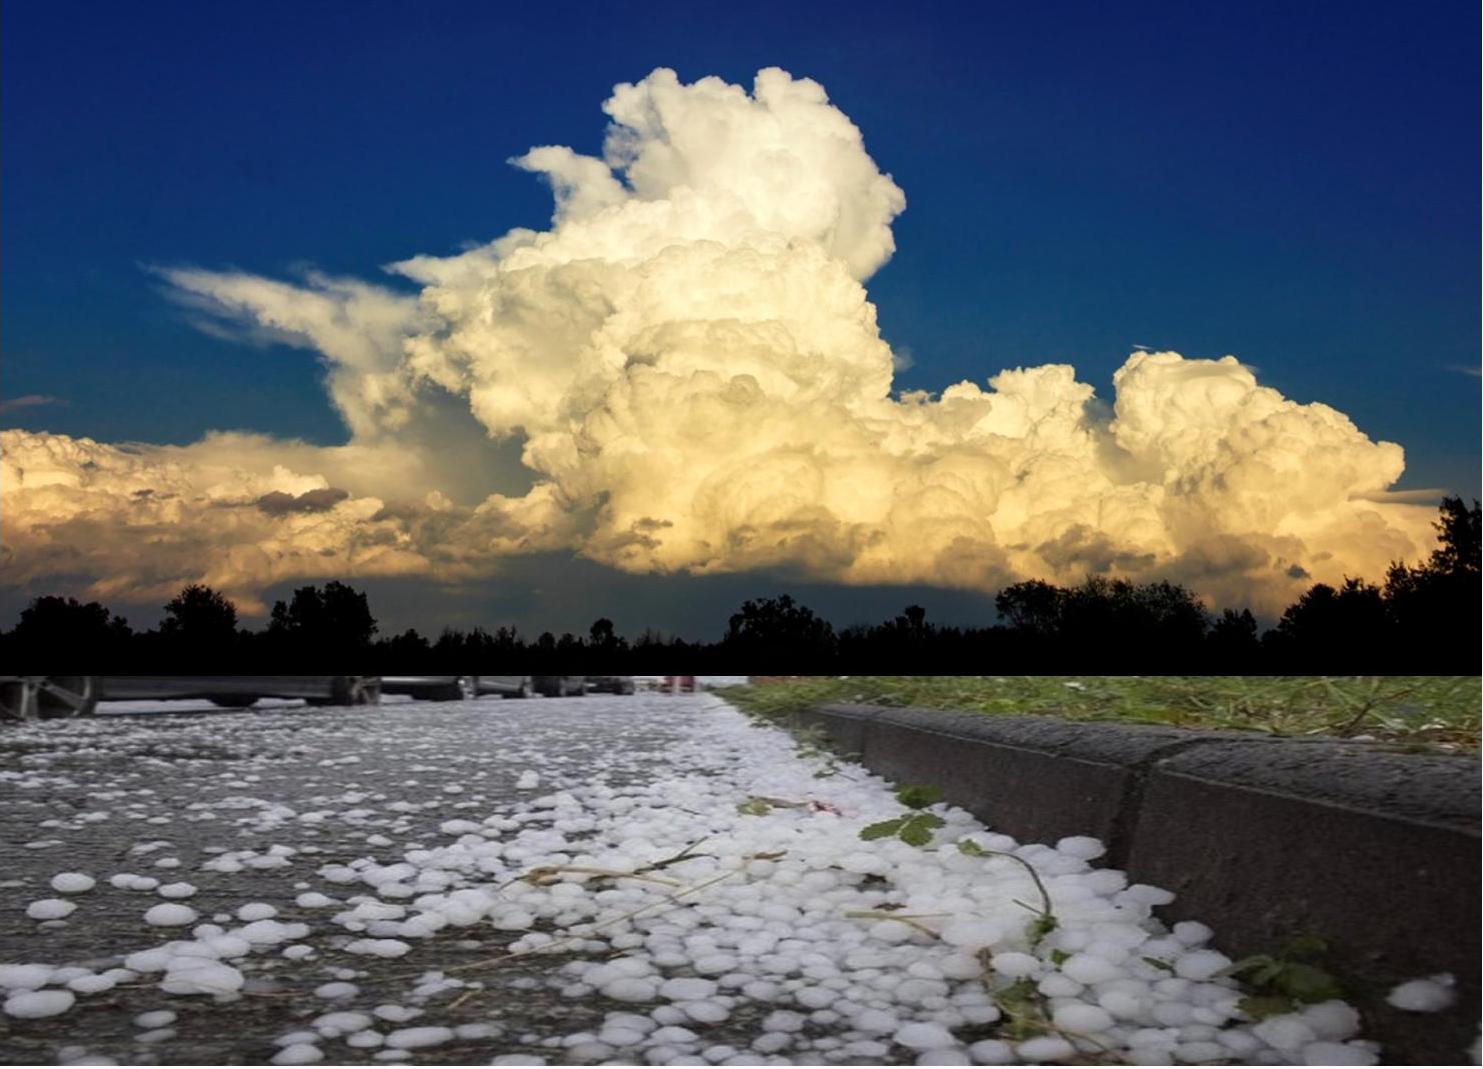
(914,827)
(1045,919)
(1024,1010)
(1287,980)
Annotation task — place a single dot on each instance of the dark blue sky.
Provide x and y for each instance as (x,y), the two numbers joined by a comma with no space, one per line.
(1296,184)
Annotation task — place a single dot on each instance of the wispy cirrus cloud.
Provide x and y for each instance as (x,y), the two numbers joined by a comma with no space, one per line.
(29,400)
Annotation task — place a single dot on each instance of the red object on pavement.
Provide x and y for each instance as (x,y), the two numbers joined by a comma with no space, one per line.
(679,684)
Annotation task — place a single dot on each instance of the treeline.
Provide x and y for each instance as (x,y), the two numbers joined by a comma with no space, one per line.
(1424,618)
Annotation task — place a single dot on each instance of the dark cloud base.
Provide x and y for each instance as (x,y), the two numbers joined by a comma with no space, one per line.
(556,593)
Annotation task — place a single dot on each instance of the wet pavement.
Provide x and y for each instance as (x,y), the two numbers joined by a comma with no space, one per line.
(269,801)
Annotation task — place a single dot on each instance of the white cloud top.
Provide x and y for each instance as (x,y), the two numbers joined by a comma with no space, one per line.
(689,364)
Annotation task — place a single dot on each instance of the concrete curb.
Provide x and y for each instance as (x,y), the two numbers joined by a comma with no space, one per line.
(1262,838)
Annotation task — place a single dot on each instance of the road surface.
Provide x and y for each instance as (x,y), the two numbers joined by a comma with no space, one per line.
(645,879)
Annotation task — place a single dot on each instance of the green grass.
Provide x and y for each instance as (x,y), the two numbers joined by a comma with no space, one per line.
(1426,713)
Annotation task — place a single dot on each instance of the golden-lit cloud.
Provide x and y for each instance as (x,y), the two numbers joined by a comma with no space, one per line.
(689,366)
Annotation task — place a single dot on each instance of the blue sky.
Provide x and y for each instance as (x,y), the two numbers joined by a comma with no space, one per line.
(1296,184)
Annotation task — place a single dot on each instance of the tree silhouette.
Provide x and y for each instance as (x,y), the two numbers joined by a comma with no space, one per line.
(1033,606)
(1233,642)
(778,630)
(334,623)
(200,624)
(1433,607)
(55,630)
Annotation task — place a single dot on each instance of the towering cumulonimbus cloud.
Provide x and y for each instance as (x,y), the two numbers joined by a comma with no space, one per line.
(690,369)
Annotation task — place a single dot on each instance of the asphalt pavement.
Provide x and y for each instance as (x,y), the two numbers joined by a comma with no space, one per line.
(282,794)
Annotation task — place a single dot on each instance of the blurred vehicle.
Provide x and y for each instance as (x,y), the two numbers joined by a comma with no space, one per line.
(430,688)
(29,697)
(679,684)
(559,686)
(505,686)
(611,684)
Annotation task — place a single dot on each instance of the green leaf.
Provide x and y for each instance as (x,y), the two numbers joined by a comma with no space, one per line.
(1260,1007)
(1043,926)
(917,831)
(1059,957)
(1307,983)
(1304,947)
(883,830)
(755,808)
(971,848)
(1159,963)
(918,796)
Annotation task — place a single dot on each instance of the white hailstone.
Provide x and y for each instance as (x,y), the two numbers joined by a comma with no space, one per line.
(784,1021)
(973,933)
(338,989)
(1337,1054)
(256,911)
(991,1052)
(1286,1032)
(201,976)
(1082,847)
(50,909)
(1081,1018)
(1045,1049)
(1426,995)
(815,998)
(340,1023)
(714,964)
(922,1036)
(630,989)
(1192,933)
(314,900)
(960,967)
(875,1022)
(378,948)
(93,983)
(1015,964)
(891,931)
(704,1012)
(412,1038)
(512,921)
(943,1057)
(1086,968)
(1333,1020)
(1143,894)
(169,915)
(516,1059)
(176,890)
(1121,1003)
(271,932)
(72,883)
(298,1054)
(771,1042)
(1058,986)
(155,1019)
(684,989)
(528,781)
(396,1014)
(25,977)
(34,1004)
(1200,964)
